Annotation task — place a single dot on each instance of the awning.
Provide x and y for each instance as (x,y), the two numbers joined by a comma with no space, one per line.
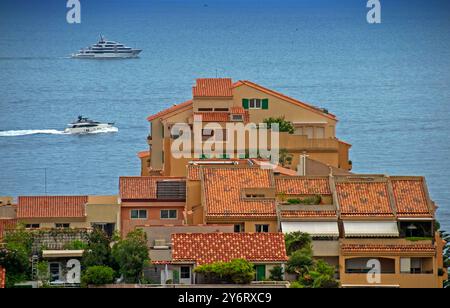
(371,229)
(323,228)
(62,253)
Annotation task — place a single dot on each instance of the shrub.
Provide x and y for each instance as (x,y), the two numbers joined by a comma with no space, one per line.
(98,275)
(76,245)
(296,285)
(238,271)
(284,126)
(316,200)
(276,274)
(296,241)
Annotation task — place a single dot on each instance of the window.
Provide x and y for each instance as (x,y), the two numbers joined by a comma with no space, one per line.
(237,118)
(255,103)
(262,228)
(185,272)
(62,226)
(205,109)
(238,228)
(168,214)
(221,109)
(32,226)
(309,132)
(255,196)
(138,214)
(54,271)
(320,132)
(208,132)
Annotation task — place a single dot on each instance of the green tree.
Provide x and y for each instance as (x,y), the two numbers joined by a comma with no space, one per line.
(297,241)
(300,262)
(276,273)
(43,274)
(321,275)
(15,256)
(97,275)
(98,250)
(285,158)
(284,126)
(131,255)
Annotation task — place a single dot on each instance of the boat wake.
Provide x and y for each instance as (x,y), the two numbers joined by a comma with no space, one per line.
(18,133)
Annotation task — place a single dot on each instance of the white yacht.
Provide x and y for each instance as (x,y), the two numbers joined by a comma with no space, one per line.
(105,49)
(85,126)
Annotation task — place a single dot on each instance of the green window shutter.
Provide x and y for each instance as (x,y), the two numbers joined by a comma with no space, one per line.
(265,104)
(245,103)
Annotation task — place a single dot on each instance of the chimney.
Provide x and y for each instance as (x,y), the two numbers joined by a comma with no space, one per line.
(301,168)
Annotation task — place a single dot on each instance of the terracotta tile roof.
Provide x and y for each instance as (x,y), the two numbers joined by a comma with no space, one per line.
(6,224)
(303,186)
(141,187)
(193,173)
(410,198)
(223,188)
(213,116)
(238,110)
(307,214)
(170,110)
(2,278)
(143,154)
(52,207)
(364,199)
(223,247)
(380,248)
(213,87)
(283,97)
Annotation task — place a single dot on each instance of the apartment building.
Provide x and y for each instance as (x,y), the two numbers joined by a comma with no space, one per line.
(219,100)
(151,201)
(74,212)
(358,219)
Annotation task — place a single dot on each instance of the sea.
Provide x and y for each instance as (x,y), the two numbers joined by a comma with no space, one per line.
(388,83)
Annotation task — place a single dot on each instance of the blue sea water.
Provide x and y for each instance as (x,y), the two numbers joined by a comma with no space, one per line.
(389,84)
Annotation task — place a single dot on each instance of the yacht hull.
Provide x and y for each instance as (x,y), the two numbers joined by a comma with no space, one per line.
(87,130)
(128,55)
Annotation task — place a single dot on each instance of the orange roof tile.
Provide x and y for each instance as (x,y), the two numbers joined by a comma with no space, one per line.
(364,199)
(143,154)
(303,185)
(141,187)
(283,97)
(380,248)
(410,198)
(193,173)
(223,188)
(213,87)
(2,278)
(213,116)
(224,247)
(52,207)
(238,110)
(6,224)
(170,110)
(307,214)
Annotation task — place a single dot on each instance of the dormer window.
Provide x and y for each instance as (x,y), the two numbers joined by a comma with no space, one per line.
(237,118)
(255,196)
